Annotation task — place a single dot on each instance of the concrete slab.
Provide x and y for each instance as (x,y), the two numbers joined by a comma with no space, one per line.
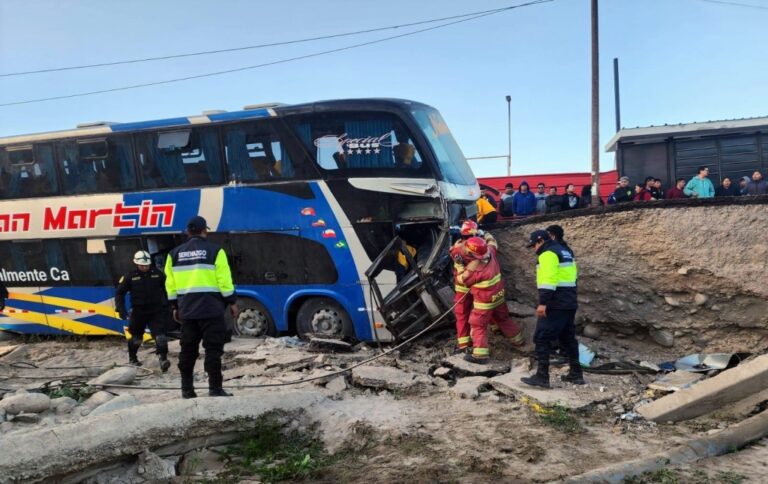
(388,378)
(708,395)
(465,368)
(329,345)
(509,384)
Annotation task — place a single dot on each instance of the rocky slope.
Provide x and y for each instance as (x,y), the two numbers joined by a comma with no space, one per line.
(693,276)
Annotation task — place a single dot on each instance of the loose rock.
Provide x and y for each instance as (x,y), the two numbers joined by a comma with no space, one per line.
(98,398)
(662,337)
(27,418)
(26,403)
(123,375)
(333,345)
(700,299)
(442,372)
(63,405)
(672,301)
(154,468)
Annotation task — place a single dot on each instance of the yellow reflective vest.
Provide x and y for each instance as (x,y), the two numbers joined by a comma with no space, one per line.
(556,275)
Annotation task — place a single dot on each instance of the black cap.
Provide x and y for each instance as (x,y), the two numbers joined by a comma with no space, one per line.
(197,224)
(536,236)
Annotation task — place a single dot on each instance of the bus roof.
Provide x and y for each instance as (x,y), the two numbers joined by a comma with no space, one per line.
(207,117)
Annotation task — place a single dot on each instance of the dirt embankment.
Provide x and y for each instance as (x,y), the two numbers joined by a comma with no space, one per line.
(691,276)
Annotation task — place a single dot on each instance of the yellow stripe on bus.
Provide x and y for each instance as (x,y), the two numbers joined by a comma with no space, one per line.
(63,324)
(68,303)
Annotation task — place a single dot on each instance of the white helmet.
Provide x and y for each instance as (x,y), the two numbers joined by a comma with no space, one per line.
(142,258)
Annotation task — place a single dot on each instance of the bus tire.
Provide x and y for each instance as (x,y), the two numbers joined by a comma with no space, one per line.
(254,320)
(324,318)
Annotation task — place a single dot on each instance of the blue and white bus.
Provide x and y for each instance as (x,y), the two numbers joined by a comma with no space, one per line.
(302,198)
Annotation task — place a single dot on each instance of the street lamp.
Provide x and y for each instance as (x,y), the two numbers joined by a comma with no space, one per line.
(509,137)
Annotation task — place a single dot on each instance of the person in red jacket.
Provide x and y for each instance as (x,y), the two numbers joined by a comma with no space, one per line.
(462,298)
(642,194)
(483,276)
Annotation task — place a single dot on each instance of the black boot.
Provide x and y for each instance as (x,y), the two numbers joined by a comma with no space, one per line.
(219,392)
(188,387)
(133,350)
(164,363)
(474,359)
(575,374)
(541,378)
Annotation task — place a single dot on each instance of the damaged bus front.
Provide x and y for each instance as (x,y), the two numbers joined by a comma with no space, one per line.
(401,180)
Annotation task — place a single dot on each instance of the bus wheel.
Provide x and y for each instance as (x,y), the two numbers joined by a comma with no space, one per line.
(254,320)
(324,318)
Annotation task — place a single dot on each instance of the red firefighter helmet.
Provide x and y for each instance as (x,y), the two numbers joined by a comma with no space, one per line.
(476,247)
(469,228)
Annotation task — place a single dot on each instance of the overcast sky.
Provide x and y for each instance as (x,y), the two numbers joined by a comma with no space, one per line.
(681,61)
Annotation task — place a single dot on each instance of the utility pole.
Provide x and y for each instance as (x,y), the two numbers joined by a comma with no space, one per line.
(509,135)
(595,110)
(616,96)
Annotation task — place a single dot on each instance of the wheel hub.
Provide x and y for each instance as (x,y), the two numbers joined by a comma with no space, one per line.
(252,322)
(328,322)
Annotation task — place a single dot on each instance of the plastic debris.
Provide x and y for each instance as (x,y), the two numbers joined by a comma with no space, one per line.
(703,363)
(586,355)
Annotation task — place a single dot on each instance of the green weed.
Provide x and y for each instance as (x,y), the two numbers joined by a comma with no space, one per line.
(561,418)
(661,476)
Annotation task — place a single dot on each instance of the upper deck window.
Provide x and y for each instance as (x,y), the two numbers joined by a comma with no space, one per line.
(27,171)
(255,152)
(97,165)
(364,141)
(181,158)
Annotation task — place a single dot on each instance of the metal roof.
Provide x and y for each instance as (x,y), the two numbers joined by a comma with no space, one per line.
(659,133)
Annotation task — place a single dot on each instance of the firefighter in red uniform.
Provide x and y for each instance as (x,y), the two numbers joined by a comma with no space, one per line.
(462,298)
(483,276)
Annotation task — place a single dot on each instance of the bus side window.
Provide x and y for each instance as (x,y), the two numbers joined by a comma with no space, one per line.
(27,171)
(97,165)
(182,158)
(255,152)
(85,268)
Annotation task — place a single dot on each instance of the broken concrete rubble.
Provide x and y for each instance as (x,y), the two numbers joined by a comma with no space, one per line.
(468,387)
(388,378)
(118,403)
(63,405)
(708,395)
(675,381)
(465,368)
(509,384)
(337,384)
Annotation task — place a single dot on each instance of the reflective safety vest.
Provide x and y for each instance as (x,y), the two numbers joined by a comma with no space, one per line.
(483,277)
(198,279)
(459,264)
(556,275)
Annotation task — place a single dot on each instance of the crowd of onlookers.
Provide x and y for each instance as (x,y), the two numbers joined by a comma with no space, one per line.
(525,202)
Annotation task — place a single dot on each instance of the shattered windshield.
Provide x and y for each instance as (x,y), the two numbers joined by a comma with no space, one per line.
(453,165)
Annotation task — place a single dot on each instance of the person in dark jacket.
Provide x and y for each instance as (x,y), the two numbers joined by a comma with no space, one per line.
(149,307)
(524,202)
(556,276)
(650,186)
(658,192)
(727,189)
(624,193)
(199,285)
(554,201)
(570,199)
(677,190)
(757,186)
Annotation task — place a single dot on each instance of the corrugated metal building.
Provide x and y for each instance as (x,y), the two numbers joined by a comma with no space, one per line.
(732,148)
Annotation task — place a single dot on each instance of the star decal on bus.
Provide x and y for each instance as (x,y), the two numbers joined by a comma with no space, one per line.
(318,223)
(308,211)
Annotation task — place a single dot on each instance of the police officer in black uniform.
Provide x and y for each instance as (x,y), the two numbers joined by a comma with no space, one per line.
(149,307)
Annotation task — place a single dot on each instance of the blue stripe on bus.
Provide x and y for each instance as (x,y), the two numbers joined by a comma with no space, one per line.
(104,322)
(29,328)
(157,123)
(251,113)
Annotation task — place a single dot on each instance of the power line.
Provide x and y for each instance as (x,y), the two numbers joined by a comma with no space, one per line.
(257,46)
(736,4)
(257,66)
